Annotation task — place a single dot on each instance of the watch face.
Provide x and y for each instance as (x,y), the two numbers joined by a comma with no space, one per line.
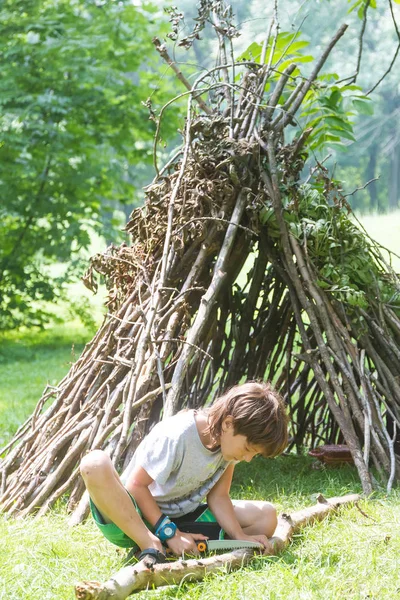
(169,531)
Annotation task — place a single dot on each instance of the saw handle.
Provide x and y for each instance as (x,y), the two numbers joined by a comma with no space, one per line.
(201,547)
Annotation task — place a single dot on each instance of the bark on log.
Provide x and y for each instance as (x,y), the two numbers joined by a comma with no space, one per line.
(131,579)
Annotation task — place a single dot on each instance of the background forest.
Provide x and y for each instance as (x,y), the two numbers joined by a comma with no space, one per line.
(76,137)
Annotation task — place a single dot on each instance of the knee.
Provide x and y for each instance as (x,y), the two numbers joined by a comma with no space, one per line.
(270,518)
(95,466)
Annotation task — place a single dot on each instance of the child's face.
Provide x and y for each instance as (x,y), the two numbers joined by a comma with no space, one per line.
(236,447)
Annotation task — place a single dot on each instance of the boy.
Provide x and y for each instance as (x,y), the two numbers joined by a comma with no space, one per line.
(184,459)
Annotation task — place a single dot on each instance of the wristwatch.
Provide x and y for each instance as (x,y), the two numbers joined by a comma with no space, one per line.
(165,529)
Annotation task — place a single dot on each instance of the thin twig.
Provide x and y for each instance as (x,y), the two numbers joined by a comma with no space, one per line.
(395,54)
(178,340)
(307,84)
(353,78)
(162,50)
(360,188)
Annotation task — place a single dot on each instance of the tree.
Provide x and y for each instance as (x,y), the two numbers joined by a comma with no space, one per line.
(368,59)
(73,127)
(319,314)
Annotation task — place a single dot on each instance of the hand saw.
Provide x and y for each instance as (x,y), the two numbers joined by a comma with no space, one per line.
(205,546)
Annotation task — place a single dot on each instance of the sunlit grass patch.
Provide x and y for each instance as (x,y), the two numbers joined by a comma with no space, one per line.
(339,558)
(346,557)
(385,229)
(29,361)
(292,482)
(42,558)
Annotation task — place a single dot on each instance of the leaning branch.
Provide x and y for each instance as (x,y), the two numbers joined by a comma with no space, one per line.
(395,54)
(307,84)
(161,48)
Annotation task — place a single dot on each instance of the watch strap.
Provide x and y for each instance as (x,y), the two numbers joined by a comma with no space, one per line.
(162,526)
(152,555)
(160,521)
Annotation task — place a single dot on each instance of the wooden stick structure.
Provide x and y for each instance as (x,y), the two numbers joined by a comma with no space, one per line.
(319,314)
(142,576)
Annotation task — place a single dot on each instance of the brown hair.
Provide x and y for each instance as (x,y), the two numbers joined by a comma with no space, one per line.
(258,412)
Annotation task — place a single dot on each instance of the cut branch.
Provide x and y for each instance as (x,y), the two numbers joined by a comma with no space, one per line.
(132,579)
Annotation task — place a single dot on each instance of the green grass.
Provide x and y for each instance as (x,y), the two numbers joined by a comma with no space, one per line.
(385,229)
(347,556)
(28,362)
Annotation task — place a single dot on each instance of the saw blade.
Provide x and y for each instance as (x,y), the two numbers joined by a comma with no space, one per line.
(210,545)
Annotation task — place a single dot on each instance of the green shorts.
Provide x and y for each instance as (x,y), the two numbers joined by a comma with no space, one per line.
(200,520)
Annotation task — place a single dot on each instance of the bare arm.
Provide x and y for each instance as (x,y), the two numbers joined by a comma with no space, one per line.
(221,506)
(138,485)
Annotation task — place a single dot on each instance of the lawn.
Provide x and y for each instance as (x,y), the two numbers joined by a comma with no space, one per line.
(349,556)
(385,229)
(28,362)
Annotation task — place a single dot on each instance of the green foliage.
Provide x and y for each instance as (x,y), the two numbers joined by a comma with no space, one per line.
(329,108)
(72,127)
(374,121)
(369,55)
(361,6)
(338,249)
(341,253)
(286,49)
(342,256)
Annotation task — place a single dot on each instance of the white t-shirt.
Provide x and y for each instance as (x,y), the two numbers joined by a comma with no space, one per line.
(184,471)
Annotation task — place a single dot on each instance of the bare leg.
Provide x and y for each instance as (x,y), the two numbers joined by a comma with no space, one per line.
(111,498)
(256,517)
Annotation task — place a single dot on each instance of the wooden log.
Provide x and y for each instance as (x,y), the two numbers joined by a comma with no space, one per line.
(136,578)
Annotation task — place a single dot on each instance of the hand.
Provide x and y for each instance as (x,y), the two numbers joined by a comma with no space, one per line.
(185,542)
(260,539)
(155,543)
